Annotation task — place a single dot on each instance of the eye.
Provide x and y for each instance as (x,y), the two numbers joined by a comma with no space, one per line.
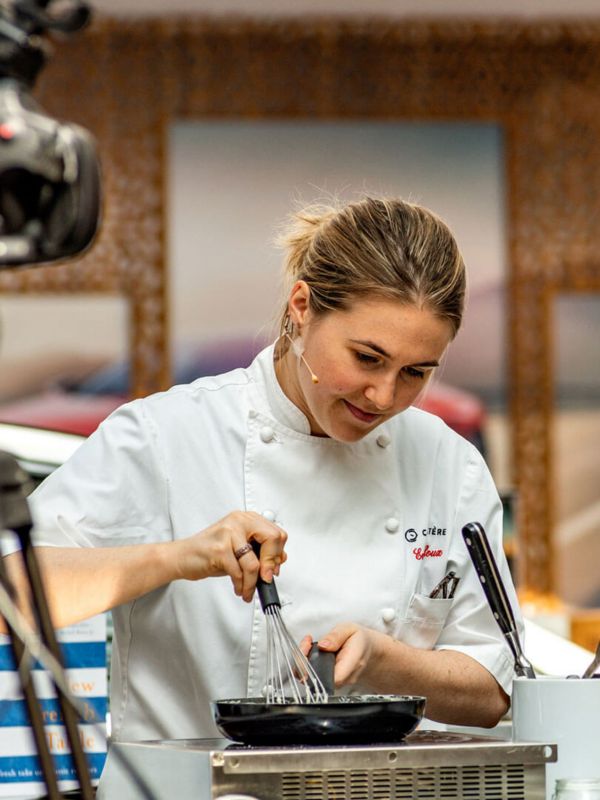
(413,372)
(366,358)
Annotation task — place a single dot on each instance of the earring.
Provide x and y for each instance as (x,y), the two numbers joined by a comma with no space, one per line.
(297,345)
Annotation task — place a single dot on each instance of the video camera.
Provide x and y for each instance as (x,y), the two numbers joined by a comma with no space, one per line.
(49,172)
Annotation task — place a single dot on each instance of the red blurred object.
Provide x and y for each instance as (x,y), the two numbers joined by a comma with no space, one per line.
(56,410)
(461,410)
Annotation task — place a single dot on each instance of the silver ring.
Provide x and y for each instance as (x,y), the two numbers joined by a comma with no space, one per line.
(241,551)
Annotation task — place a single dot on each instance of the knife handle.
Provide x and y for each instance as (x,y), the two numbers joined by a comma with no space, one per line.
(491,581)
(487,570)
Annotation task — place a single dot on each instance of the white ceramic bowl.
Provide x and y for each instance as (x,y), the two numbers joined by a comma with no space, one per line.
(562,711)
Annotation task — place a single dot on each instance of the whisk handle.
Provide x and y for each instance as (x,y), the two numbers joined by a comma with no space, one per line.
(267,592)
(323,663)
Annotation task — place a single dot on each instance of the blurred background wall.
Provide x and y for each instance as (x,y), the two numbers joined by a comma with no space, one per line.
(211,128)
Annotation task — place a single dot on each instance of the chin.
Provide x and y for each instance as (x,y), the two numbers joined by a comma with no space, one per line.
(346,433)
(337,426)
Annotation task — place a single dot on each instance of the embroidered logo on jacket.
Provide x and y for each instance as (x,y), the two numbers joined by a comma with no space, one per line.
(411,535)
(426,552)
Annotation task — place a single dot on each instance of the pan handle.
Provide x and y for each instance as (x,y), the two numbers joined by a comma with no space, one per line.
(485,565)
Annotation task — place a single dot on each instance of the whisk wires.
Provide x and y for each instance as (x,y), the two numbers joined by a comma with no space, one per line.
(290,676)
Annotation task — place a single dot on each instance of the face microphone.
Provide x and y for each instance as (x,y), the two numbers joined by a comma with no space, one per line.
(298,349)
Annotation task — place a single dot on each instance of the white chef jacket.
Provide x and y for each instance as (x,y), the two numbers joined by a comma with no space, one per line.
(373,526)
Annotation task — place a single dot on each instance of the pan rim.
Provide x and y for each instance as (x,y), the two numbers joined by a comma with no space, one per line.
(341,700)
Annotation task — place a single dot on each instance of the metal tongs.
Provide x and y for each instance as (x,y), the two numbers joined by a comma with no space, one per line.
(495,591)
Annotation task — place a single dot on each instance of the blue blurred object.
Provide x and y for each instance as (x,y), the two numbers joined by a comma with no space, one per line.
(189,362)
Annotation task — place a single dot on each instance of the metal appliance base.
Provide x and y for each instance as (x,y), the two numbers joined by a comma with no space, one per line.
(427,764)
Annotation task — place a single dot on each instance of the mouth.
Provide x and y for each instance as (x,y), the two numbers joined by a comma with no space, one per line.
(361,415)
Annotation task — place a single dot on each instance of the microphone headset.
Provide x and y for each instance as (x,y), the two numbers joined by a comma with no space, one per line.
(298,349)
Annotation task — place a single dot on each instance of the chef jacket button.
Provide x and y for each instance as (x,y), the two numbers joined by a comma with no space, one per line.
(388,614)
(252,413)
(392,525)
(268,514)
(267,434)
(383,440)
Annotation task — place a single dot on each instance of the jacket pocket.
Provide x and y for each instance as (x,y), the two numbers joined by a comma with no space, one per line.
(424,620)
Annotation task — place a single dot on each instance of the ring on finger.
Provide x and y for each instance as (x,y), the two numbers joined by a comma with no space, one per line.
(241,551)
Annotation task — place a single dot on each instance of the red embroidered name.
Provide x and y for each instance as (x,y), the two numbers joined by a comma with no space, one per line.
(425,552)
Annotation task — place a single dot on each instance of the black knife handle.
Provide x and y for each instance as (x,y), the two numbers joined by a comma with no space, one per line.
(489,575)
(267,592)
(487,570)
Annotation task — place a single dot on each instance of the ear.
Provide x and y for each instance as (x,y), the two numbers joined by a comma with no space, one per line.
(299,304)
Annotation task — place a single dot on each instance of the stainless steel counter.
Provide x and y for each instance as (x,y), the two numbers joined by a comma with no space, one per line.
(428,764)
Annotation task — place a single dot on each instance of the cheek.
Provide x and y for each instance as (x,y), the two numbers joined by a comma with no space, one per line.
(337,379)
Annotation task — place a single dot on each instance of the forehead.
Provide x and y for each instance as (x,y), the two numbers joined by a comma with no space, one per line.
(388,320)
(399,328)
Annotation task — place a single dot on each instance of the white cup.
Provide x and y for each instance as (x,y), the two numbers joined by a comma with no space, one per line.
(561,711)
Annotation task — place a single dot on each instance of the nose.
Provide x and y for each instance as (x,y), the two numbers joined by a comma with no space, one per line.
(381,393)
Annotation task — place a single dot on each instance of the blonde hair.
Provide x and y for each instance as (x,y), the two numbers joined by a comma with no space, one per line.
(377,246)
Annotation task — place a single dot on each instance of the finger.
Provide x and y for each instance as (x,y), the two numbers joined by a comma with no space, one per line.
(245,571)
(250,567)
(272,542)
(282,560)
(335,639)
(306,644)
(232,567)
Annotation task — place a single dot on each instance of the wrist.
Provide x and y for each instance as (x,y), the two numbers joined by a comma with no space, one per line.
(186,559)
(170,560)
(383,664)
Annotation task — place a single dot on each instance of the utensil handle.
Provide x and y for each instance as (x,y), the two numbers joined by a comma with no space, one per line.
(485,565)
(487,570)
(267,592)
(323,663)
(593,667)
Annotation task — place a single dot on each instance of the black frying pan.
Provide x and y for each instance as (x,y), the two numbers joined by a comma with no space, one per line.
(356,719)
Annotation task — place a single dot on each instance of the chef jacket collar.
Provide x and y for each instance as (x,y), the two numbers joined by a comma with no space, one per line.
(278,403)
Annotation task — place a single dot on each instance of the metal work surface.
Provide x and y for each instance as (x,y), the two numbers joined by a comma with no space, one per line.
(429,764)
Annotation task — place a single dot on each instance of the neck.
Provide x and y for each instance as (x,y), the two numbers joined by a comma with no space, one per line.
(287,373)
(287,368)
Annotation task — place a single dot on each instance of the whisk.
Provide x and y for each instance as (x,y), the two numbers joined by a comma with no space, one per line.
(290,676)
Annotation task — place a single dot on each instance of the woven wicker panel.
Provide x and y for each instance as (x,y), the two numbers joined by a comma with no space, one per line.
(127,81)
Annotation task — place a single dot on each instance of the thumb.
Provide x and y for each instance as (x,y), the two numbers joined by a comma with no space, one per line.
(335,639)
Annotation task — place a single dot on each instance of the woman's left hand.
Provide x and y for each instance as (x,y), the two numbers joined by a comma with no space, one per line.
(353,645)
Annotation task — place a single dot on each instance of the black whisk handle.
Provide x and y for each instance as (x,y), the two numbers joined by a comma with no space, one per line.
(323,663)
(267,592)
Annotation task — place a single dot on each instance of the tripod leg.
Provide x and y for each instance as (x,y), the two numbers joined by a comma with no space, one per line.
(69,715)
(31,702)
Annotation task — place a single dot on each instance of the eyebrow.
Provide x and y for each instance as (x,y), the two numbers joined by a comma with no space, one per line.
(383,353)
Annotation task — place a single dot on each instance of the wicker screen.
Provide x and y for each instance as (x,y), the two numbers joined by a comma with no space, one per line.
(126,81)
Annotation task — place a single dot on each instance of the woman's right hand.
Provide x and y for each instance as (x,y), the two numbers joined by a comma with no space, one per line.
(211,552)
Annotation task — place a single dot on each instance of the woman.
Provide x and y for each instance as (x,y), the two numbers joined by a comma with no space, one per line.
(330,469)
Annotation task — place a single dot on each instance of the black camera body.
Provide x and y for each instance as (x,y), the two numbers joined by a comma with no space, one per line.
(49,172)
